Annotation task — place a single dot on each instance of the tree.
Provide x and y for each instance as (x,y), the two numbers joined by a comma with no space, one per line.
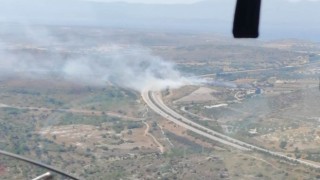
(154,126)
(297,153)
(283,144)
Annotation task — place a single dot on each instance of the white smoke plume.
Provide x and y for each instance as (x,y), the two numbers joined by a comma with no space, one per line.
(127,66)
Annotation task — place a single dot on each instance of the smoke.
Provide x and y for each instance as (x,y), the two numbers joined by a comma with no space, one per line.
(226,84)
(128,66)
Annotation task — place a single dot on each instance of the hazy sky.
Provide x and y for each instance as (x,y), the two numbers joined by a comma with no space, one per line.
(151,1)
(279,18)
(170,1)
(173,1)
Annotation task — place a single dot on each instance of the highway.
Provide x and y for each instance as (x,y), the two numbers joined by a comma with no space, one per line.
(154,107)
(154,101)
(259,70)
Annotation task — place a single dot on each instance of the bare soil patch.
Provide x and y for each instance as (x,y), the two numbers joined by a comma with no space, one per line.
(202,94)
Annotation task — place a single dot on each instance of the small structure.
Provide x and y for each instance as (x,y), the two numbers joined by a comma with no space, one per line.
(253,131)
(259,91)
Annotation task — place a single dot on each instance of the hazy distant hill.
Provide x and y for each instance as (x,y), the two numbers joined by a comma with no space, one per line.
(280,18)
(195,17)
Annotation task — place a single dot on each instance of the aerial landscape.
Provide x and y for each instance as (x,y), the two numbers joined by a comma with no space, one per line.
(258,105)
(128,103)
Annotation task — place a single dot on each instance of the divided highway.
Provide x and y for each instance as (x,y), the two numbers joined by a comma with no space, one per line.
(154,101)
(170,117)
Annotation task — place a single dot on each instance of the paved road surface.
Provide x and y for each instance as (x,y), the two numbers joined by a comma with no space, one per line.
(154,101)
(146,98)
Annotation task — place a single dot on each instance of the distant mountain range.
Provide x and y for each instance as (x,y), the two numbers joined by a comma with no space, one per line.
(280,18)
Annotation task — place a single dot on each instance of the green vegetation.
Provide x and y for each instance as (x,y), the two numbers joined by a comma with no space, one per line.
(71,118)
(111,98)
(134,125)
(118,127)
(117,124)
(283,144)
(54,101)
(197,70)
(9,112)
(176,153)
(111,156)
(191,146)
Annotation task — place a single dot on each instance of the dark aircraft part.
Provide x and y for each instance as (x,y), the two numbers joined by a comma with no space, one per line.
(246,19)
(21,158)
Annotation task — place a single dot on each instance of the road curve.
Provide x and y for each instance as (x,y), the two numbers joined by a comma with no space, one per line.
(154,101)
(146,98)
